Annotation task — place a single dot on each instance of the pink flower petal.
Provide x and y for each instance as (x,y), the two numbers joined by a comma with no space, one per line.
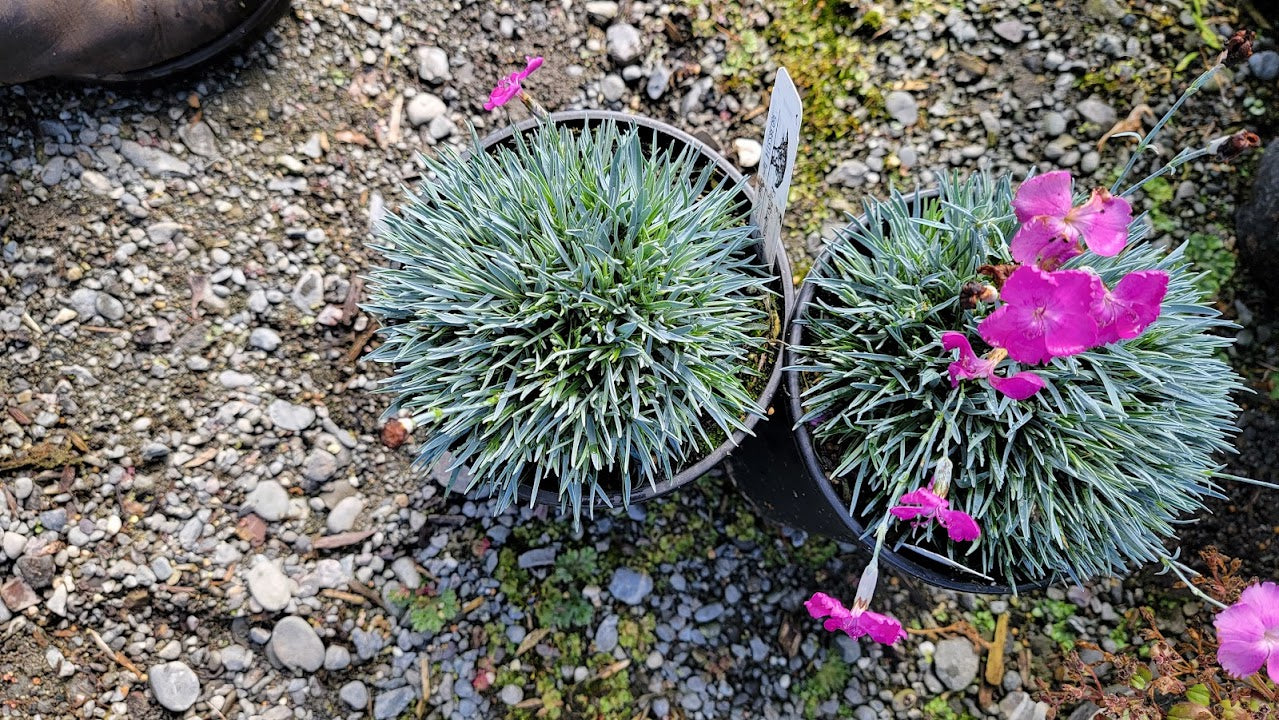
(960,526)
(1044,242)
(1070,327)
(881,628)
(1103,222)
(954,340)
(1264,599)
(1047,194)
(1272,667)
(969,366)
(1018,387)
(820,605)
(840,621)
(1126,312)
(1012,327)
(1241,636)
(533,64)
(507,88)
(925,498)
(903,512)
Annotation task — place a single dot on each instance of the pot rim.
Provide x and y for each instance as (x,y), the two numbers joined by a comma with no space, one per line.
(932,572)
(777,260)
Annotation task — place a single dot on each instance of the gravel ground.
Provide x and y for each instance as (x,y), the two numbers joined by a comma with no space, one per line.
(199,513)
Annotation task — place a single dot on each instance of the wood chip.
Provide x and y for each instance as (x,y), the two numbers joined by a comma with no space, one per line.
(352,137)
(613,669)
(205,456)
(995,661)
(424,668)
(397,116)
(360,588)
(471,605)
(328,542)
(531,639)
(347,597)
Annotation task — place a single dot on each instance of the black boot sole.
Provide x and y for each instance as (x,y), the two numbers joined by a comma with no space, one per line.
(261,19)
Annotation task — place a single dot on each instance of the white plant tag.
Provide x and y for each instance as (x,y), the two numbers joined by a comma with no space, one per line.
(777,163)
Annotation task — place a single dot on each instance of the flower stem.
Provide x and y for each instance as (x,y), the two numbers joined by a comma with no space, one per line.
(1182,158)
(534,106)
(1154,132)
(1179,570)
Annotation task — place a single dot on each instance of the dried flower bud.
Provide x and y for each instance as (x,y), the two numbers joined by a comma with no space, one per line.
(973,293)
(1237,144)
(1238,48)
(997,273)
(396,431)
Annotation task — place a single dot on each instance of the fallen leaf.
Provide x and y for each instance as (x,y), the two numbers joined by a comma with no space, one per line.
(530,640)
(995,662)
(327,542)
(1132,123)
(352,137)
(205,456)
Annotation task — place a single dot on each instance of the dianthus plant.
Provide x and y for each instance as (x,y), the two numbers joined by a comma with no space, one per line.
(1036,340)
(578,309)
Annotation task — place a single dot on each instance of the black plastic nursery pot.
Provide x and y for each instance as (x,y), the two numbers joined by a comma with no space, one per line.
(784,476)
(655,133)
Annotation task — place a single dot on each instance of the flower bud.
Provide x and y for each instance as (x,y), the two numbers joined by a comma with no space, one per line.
(1237,144)
(866,586)
(941,477)
(1238,48)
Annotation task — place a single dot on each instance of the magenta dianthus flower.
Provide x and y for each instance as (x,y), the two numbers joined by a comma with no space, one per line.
(922,505)
(854,622)
(1248,633)
(1126,312)
(1044,315)
(857,620)
(509,86)
(971,367)
(1052,227)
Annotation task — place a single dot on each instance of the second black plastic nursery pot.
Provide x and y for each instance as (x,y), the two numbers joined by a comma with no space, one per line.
(660,135)
(783,473)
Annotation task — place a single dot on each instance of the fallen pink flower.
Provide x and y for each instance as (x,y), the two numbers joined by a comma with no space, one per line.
(971,367)
(856,621)
(1248,633)
(922,505)
(509,86)
(1126,312)
(1044,315)
(1052,227)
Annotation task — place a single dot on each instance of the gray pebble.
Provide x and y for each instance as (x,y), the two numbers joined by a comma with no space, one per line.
(264,339)
(629,586)
(624,43)
(174,685)
(295,644)
(355,695)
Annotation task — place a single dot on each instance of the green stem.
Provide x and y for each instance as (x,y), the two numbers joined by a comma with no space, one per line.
(1182,158)
(1178,569)
(1154,132)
